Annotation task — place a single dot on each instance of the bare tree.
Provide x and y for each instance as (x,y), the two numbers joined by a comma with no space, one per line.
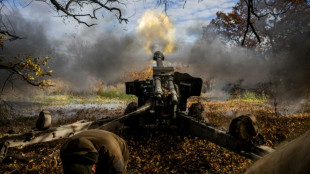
(258,13)
(83,10)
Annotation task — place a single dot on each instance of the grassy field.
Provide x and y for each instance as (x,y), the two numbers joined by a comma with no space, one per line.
(100,97)
(248,96)
(113,96)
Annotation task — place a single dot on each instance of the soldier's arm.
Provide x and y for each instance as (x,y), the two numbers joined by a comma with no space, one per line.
(110,162)
(119,166)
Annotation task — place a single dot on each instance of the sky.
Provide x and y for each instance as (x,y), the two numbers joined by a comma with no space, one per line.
(188,21)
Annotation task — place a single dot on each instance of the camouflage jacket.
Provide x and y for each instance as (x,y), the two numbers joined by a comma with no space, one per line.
(111,149)
(290,158)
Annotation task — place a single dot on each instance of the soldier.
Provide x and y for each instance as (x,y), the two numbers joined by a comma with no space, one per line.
(291,158)
(94,151)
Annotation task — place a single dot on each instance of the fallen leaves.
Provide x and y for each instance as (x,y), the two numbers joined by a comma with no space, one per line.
(37,158)
(274,128)
(163,150)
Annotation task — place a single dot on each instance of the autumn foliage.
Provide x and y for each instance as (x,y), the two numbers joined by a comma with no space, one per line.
(275,22)
(27,68)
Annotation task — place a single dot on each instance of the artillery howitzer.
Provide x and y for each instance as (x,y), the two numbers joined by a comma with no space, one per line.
(167,92)
(160,100)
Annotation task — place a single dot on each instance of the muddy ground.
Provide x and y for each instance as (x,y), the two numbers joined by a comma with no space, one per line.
(158,150)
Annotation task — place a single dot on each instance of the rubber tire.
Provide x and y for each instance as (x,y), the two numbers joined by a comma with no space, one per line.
(131,107)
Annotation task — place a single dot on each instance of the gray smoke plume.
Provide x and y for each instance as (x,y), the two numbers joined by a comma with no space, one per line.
(293,68)
(79,59)
(287,70)
(229,64)
(34,40)
(212,59)
(107,58)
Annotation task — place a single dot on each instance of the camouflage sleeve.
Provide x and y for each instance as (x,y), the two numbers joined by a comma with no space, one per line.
(110,162)
(119,166)
(118,163)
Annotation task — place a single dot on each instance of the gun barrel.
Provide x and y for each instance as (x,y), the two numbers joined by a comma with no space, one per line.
(172,90)
(159,63)
(158,90)
(159,57)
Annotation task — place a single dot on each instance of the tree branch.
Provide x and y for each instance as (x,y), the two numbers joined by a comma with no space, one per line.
(251,11)
(245,33)
(14,71)
(250,5)
(254,31)
(68,11)
(184,3)
(10,76)
(13,37)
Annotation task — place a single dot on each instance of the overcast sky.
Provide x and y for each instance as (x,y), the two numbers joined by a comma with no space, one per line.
(188,20)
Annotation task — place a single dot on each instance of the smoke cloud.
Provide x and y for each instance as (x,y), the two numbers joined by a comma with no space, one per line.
(288,70)
(156,31)
(108,59)
(293,69)
(79,59)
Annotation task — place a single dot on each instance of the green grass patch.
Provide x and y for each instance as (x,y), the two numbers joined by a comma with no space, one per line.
(82,98)
(115,94)
(248,96)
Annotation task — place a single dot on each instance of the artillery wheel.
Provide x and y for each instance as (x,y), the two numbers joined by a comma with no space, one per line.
(196,110)
(244,127)
(44,121)
(131,107)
